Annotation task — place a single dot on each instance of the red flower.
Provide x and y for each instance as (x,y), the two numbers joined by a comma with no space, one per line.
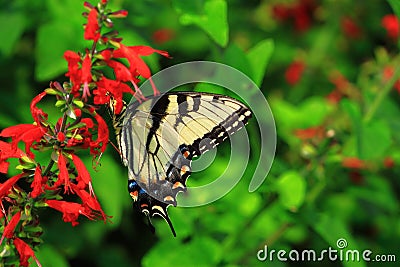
(27,133)
(37,113)
(294,71)
(133,53)
(86,76)
(309,133)
(391,24)
(388,72)
(350,28)
(300,12)
(77,74)
(10,227)
(73,60)
(106,89)
(71,211)
(102,136)
(388,162)
(163,35)
(25,253)
(334,96)
(118,14)
(89,201)
(8,151)
(37,185)
(63,176)
(8,184)
(83,174)
(353,163)
(92,28)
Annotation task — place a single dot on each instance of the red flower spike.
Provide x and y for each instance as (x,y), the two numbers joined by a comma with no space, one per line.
(37,185)
(37,113)
(10,227)
(392,26)
(294,71)
(92,28)
(83,173)
(353,163)
(8,184)
(63,175)
(70,210)
(25,253)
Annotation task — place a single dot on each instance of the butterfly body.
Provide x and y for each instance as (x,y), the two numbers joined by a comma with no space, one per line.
(159,137)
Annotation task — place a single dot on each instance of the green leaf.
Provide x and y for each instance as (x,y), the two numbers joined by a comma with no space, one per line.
(202,250)
(13,25)
(375,140)
(259,57)
(333,230)
(109,187)
(212,18)
(49,256)
(52,41)
(292,188)
(236,58)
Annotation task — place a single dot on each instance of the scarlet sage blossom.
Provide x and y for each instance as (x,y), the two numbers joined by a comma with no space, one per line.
(83,174)
(92,28)
(25,252)
(37,184)
(8,151)
(27,133)
(37,113)
(8,184)
(107,88)
(10,227)
(70,210)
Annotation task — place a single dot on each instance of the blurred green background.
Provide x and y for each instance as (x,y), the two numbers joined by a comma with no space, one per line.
(323,67)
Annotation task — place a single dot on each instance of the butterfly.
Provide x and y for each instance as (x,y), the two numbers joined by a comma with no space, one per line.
(159,137)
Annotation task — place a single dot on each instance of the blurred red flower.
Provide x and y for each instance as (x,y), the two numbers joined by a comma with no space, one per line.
(294,71)
(353,163)
(163,35)
(391,24)
(350,28)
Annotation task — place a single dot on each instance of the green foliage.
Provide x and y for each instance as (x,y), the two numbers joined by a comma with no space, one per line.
(310,198)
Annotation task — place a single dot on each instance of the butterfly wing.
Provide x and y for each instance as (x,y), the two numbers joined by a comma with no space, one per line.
(160,136)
